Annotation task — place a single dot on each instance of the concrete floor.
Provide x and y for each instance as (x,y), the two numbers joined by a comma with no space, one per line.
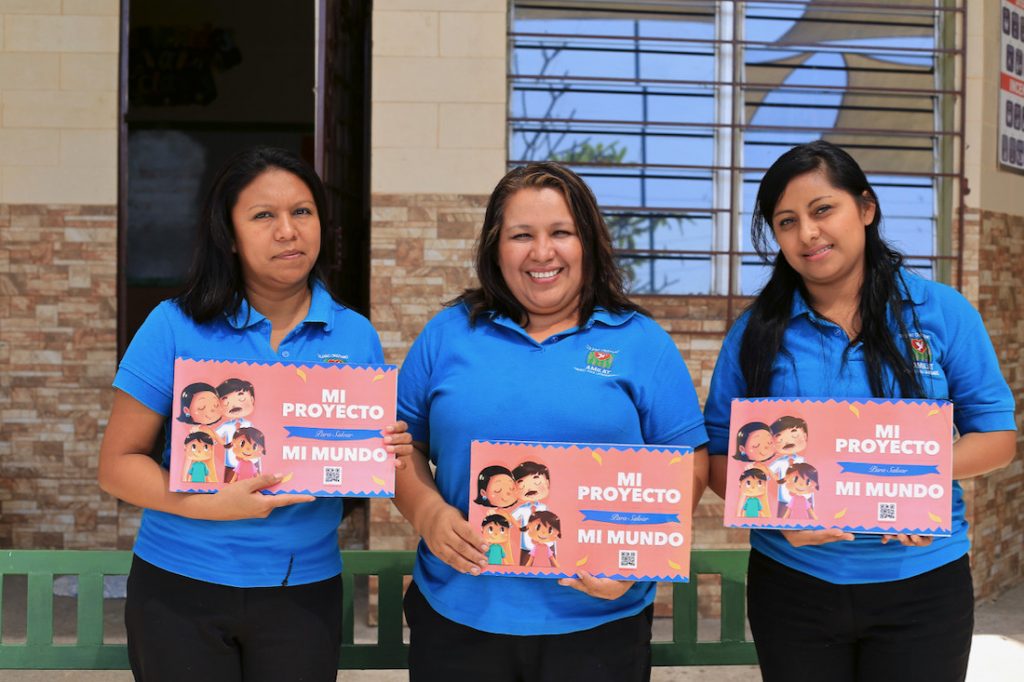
(997,654)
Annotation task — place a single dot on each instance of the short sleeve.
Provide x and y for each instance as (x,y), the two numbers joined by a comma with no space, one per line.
(667,405)
(414,381)
(982,400)
(146,372)
(727,382)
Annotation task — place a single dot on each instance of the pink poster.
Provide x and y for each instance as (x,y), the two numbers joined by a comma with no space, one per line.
(866,466)
(318,424)
(616,511)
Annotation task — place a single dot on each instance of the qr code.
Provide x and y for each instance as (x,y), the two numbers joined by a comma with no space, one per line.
(627,558)
(332,475)
(886,511)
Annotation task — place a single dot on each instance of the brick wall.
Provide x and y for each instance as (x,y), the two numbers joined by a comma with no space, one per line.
(996,502)
(57,356)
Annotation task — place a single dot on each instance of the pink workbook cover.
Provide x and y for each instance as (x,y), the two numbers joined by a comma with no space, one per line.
(863,465)
(318,424)
(550,509)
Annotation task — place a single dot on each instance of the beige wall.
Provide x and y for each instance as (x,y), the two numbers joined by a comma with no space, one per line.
(439,96)
(58,101)
(991,189)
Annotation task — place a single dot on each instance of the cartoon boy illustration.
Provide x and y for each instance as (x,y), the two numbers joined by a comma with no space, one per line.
(238,399)
(790,436)
(802,482)
(248,448)
(495,528)
(533,482)
(199,458)
(544,529)
(752,486)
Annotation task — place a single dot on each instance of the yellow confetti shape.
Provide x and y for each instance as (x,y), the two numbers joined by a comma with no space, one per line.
(933,412)
(597,457)
(378,481)
(935,517)
(840,514)
(287,477)
(302,375)
(853,408)
(675,460)
(583,560)
(673,565)
(377,378)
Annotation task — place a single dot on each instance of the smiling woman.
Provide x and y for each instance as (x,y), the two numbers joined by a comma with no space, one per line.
(502,362)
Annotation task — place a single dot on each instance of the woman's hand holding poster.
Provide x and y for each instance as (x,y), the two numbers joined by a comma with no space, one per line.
(317,424)
(616,511)
(865,466)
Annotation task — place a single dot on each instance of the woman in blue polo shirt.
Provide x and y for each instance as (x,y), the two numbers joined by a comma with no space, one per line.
(508,360)
(237,585)
(840,318)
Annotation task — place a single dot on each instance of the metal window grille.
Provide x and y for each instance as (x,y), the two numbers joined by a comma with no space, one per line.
(672,111)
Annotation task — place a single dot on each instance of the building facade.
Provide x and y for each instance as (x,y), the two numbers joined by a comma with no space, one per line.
(440,116)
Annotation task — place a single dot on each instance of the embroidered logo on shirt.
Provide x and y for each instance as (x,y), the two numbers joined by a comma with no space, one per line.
(332,357)
(599,361)
(919,347)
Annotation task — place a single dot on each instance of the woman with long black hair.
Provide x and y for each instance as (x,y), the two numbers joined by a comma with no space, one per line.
(841,317)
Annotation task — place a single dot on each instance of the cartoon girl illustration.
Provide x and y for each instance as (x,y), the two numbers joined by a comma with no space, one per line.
(497,489)
(495,529)
(201,407)
(756,446)
(544,529)
(801,482)
(199,459)
(753,483)
(248,448)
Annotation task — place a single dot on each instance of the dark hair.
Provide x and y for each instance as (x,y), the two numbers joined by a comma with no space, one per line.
(744,434)
(549,519)
(603,283)
(215,284)
(530,468)
(200,436)
(187,394)
(754,473)
(495,518)
(251,434)
(804,471)
(881,294)
(231,385)
(484,478)
(786,423)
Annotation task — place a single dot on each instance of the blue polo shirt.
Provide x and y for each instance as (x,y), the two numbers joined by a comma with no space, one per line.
(493,381)
(298,543)
(962,368)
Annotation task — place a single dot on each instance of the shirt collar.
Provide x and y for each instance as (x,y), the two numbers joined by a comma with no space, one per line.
(911,286)
(600,314)
(321,310)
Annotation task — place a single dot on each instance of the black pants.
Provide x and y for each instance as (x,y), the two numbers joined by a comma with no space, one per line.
(808,629)
(445,651)
(185,630)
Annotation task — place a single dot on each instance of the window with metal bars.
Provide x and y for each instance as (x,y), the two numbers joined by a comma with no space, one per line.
(672,110)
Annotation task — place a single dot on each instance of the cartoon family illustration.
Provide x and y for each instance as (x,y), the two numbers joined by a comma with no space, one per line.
(517,498)
(219,423)
(775,457)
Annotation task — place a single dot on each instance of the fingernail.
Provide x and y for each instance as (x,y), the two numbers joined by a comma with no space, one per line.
(475,570)
(387,439)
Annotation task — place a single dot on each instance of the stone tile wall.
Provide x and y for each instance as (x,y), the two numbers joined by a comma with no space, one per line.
(996,502)
(58,352)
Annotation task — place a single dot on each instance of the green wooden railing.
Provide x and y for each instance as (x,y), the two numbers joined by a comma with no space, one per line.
(39,651)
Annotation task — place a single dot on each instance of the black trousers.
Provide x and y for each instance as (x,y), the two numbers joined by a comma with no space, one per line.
(185,630)
(808,629)
(443,650)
